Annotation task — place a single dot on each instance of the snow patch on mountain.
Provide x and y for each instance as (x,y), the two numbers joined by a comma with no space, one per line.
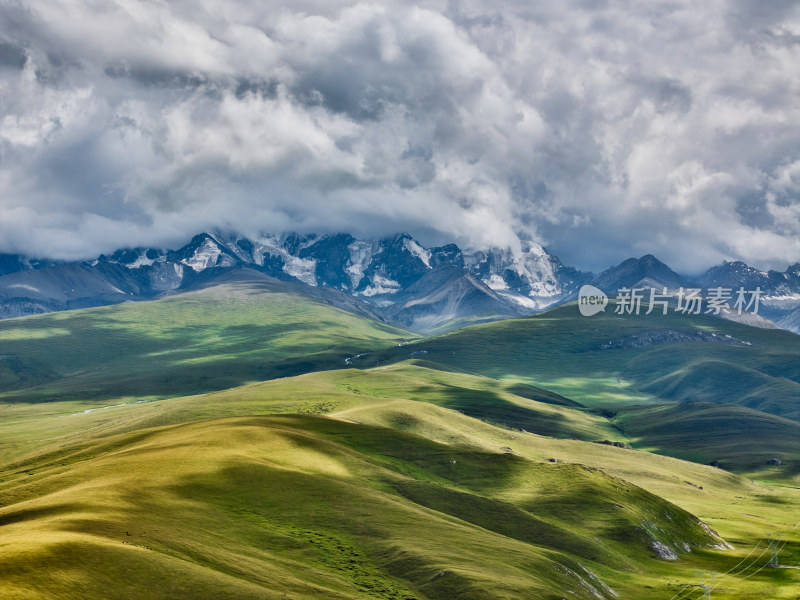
(381,285)
(360,256)
(496,282)
(545,289)
(535,266)
(523,301)
(302,269)
(141,261)
(232,244)
(262,247)
(531,273)
(418,251)
(787,298)
(204,257)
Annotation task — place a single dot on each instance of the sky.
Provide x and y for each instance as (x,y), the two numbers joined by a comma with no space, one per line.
(599,129)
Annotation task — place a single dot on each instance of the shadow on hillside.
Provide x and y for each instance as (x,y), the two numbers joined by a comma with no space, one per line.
(491,407)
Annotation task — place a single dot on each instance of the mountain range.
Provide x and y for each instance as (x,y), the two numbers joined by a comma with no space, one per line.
(395,279)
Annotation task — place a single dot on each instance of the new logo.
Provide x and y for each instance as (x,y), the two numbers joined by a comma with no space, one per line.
(591,300)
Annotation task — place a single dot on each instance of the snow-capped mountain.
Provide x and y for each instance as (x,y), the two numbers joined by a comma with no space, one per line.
(533,279)
(412,285)
(780,291)
(779,286)
(403,281)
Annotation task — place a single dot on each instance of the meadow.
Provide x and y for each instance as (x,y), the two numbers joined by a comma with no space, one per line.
(218,444)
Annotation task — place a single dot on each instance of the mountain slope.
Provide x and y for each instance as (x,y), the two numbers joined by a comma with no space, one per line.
(384,272)
(411,519)
(150,478)
(646,271)
(613,360)
(251,327)
(734,437)
(446,295)
(314,507)
(723,381)
(65,287)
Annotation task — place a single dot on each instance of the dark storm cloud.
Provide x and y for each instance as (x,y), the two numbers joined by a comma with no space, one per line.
(600,129)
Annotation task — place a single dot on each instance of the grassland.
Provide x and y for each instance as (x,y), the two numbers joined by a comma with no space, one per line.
(608,360)
(211,339)
(398,453)
(427,476)
(734,437)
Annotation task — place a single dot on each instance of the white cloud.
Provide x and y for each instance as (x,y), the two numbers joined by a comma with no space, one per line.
(602,130)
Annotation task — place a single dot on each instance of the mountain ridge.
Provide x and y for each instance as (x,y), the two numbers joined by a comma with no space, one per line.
(393,274)
(405,282)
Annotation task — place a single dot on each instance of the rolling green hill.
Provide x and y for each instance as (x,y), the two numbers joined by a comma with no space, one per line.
(609,360)
(309,507)
(720,381)
(217,444)
(210,339)
(735,437)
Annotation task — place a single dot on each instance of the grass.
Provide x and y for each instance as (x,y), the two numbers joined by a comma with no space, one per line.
(735,437)
(608,360)
(311,507)
(349,393)
(216,445)
(720,381)
(212,339)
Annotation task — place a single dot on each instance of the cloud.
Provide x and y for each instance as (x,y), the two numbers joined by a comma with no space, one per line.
(602,130)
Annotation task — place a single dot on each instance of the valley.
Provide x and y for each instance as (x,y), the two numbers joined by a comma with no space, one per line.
(245,440)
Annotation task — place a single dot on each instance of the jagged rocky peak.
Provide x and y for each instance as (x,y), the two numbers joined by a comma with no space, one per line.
(205,251)
(532,277)
(369,268)
(396,263)
(330,255)
(399,276)
(449,254)
(733,274)
(776,284)
(645,271)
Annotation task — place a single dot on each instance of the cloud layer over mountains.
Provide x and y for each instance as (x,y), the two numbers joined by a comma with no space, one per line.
(601,129)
